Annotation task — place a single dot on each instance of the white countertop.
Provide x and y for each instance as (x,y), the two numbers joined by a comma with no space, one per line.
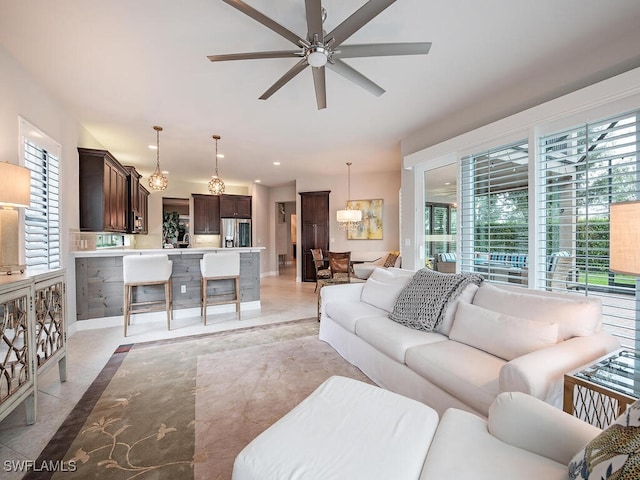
(114,252)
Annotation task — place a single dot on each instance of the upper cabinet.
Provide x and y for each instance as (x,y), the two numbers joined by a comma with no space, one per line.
(111,196)
(138,202)
(235,206)
(103,187)
(143,199)
(206,214)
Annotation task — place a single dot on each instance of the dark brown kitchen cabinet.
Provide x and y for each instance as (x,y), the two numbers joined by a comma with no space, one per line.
(314,209)
(206,214)
(103,188)
(235,206)
(143,199)
(137,205)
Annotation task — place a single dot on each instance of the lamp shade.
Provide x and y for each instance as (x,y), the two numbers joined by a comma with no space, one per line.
(624,238)
(15,185)
(349,215)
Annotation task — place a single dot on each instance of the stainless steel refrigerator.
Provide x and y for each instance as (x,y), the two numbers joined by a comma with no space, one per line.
(236,232)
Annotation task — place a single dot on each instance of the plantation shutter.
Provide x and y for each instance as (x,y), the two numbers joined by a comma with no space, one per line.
(42,218)
(494,213)
(582,171)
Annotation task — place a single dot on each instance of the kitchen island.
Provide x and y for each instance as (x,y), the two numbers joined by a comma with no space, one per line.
(100,287)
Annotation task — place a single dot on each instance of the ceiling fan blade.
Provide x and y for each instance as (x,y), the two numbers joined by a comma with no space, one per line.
(383,49)
(295,70)
(320,86)
(355,22)
(314,19)
(346,71)
(264,20)
(254,55)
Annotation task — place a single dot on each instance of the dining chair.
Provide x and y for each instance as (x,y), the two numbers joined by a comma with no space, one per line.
(322,272)
(340,266)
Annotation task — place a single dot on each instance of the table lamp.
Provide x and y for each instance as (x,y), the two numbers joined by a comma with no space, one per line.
(624,247)
(15,191)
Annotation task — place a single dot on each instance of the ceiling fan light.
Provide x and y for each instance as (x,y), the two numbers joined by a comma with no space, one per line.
(317,58)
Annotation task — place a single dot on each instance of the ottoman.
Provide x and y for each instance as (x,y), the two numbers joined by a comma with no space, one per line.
(345,429)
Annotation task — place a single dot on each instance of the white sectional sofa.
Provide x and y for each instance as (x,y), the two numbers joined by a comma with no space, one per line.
(492,339)
(350,429)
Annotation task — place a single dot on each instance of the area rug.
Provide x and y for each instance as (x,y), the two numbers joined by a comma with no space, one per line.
(184,408)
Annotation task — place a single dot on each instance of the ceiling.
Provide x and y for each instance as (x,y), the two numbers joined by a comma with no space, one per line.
(122,66)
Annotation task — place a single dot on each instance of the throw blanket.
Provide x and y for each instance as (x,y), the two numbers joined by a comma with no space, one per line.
(423,301)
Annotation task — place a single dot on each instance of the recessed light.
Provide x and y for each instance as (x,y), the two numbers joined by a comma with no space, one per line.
(258,180)
(165,172)
(447,183)
(153,147)
(220,155)
(276,163)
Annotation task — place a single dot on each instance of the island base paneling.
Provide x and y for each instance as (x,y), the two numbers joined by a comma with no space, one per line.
(99,284)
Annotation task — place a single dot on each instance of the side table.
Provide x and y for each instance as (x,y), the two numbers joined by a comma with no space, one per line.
(599,392)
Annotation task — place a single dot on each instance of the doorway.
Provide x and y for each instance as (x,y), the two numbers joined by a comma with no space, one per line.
(286,237)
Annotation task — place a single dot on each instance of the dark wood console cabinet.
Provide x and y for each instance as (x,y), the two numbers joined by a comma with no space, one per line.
(103,192)
(206,214)
(138,202)
(235,206)
(314,208)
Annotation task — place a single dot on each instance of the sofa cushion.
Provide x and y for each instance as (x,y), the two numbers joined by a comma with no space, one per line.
(391,338)
(383,287)
(462,448)
(613,453)
(576,317)
(467,373)
(499,334)
(466,295)
(347,312)
(423,301)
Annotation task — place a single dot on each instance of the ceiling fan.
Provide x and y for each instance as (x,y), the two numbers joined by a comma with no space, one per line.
(320,49)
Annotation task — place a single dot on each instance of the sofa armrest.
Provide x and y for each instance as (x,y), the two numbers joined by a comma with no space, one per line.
(530,424)
(541,373)
(344,291)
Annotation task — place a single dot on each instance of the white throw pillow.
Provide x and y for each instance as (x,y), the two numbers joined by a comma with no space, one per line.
(383,287)
(502,335)
(450,313)
(576,317)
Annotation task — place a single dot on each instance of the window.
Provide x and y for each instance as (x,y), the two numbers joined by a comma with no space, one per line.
(42,218)
(582,171)
(494,195)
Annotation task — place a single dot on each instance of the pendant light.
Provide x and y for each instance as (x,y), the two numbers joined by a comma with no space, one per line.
(349,219)
(216,185)
(158,181)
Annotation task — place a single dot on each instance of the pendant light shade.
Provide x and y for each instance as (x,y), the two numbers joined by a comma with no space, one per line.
(216,185)
(349,219)
(158,181)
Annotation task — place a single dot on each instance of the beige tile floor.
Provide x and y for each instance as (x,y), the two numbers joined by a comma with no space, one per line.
(282,298)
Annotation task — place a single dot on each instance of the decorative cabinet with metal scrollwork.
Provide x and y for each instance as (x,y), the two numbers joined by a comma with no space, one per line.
(32,336)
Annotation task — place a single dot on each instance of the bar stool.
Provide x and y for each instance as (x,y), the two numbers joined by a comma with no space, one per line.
(142,270)
(219,266)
